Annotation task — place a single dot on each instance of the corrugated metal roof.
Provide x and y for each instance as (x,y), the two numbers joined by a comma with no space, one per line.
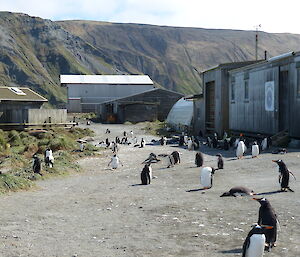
(6,94)
(106,79)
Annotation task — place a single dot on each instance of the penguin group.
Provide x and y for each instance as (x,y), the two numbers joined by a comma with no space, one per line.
(263,235)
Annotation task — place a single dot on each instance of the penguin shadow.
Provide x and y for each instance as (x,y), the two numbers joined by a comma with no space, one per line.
(196,190)
(237,250)
(270,193)
(135,185)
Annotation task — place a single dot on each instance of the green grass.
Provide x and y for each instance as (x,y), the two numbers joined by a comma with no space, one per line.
(9,182)
(157,128)
(17,149)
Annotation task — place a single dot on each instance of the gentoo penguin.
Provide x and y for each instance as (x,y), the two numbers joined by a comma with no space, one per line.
(267,216)
(81,146)
(196,144)
(209,142)
(171,161)
(36,165)
(254,244)
(49,159)
(255,149)
(238,191)
(114,162)
(240,150)
(206,177)
(190,144)
(142,143)
(215,141)
(145,175)
(220,161)
(264,144)
(176,157)
(125,134)
(236,143)
(114,147)
(185,138)
(162,141)
(181,141)
(284,175)
(199,159)
(226,145)
(107,142)
(151,159)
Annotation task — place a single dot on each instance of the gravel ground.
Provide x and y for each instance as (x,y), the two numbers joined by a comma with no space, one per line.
(103,212)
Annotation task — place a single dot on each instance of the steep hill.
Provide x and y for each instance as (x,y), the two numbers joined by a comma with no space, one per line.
(35,51)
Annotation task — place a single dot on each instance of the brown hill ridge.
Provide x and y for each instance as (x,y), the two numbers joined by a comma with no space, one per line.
(35,51)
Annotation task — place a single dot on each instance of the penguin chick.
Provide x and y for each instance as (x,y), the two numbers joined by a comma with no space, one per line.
(220,161)
(199,159)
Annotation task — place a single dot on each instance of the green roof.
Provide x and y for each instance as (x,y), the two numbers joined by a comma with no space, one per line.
(20,94)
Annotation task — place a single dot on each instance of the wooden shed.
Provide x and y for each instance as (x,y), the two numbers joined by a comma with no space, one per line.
(265,97)
(15,103)
(146,106)
(214,114)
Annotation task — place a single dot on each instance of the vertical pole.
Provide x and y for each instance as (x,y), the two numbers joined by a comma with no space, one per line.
(256,45)
(256,42)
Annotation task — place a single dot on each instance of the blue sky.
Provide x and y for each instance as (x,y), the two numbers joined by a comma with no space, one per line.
(274,16)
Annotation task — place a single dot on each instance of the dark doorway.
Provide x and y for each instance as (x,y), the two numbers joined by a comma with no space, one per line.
(283,100)
(210,107)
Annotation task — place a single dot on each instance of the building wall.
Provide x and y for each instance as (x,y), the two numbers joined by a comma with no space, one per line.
(220,79)
(93,93)
(47,115)
(164,99)
(199,117)
(139,112)
(250,115)
(16,112)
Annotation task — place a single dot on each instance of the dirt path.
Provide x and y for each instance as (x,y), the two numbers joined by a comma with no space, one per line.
(106,213)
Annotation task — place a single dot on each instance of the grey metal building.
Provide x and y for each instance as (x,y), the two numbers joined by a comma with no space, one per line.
(150,105)
(85,92)
(265,97)
(212,112)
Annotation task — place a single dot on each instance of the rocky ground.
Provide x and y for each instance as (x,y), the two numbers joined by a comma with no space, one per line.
(103,212)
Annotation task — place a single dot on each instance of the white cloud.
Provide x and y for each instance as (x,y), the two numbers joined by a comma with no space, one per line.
(229,14)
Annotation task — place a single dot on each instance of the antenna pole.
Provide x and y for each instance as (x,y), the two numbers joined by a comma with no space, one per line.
(256,42)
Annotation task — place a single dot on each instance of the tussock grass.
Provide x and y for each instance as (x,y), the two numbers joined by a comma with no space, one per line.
(9,182)
(155,128)
(17,149)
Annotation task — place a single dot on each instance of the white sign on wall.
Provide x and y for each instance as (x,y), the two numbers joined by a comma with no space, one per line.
(269,96)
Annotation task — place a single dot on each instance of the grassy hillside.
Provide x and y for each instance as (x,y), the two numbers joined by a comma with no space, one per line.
(35,51)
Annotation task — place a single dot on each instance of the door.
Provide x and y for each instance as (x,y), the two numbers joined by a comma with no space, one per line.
(283,100)
(210,107)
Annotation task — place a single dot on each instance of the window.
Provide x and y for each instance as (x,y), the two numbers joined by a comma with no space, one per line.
(17,91)
(232,91)
(246,89)
(298,82)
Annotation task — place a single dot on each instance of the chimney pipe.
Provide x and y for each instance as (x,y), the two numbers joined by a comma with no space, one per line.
(266,55)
